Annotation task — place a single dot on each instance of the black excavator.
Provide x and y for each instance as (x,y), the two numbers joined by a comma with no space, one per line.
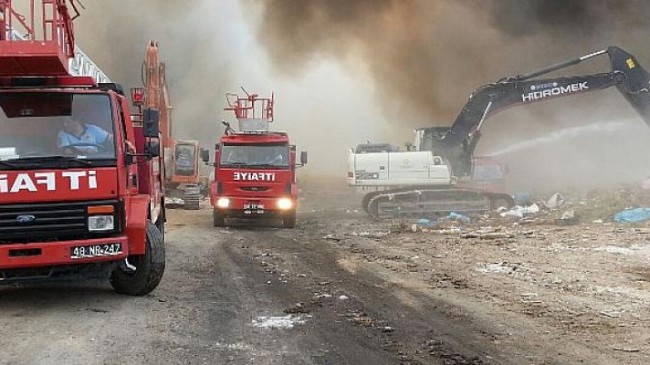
(456,147)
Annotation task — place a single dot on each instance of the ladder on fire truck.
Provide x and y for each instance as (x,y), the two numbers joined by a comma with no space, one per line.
(40,42)
(253,113)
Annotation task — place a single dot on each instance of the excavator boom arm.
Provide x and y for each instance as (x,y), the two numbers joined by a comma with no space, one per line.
(627,75)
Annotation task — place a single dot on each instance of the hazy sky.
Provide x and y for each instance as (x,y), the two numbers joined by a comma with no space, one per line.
(211,47)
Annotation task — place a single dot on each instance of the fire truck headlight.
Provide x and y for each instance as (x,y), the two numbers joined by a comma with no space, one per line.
(223,203)
(285,203)
(98,223)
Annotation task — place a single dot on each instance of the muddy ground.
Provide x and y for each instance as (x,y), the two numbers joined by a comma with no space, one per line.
(341,288)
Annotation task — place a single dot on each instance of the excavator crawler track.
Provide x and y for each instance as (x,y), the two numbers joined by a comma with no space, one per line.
(426,202)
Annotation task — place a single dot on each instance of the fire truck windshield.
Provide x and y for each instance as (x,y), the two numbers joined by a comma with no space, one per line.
(255,155)
(50,125)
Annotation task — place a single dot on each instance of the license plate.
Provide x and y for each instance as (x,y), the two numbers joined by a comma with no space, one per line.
(250,212)
(106,249)
(253,206)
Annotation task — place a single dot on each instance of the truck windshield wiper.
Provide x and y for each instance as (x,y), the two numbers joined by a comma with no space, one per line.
(265,165)
(7,164)
(238,165)
(55,158)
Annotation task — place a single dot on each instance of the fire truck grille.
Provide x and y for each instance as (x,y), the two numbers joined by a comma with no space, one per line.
(44,222)
(254,188)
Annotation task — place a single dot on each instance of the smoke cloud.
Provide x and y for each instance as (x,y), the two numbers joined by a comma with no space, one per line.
(426,57)
(115,33)
(349,71)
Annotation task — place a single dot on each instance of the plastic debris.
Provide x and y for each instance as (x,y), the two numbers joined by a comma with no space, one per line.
(633,215)
(521,212)
(568,218)
(459,217)
(555,201)
(426,222)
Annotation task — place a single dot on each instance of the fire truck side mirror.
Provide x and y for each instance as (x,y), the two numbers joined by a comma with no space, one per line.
(205,155)
(303,157)
(150,120)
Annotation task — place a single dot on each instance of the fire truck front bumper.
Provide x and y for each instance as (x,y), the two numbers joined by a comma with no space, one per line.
(277,207)
(40,254)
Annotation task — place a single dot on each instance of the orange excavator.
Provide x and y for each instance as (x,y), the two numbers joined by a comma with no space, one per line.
(182,180)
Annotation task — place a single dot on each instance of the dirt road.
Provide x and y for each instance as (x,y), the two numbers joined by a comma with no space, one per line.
(343,289)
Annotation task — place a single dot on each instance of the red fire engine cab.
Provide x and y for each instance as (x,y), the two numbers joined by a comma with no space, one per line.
(80,183)
(255,168)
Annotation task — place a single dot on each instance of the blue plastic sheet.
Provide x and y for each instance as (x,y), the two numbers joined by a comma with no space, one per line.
(459,217)
(633,215)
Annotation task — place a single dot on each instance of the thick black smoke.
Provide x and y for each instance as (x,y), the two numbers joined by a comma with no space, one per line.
(426,57)
(115,33)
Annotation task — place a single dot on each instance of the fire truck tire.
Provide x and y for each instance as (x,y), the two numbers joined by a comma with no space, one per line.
(161,227)
(149,267)
(290,220)
(217,219)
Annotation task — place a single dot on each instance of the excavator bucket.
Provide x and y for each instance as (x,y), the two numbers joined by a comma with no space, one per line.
(636,83)
(637,78)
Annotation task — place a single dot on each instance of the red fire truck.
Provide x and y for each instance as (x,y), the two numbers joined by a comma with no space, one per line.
(80,182)
(255,168)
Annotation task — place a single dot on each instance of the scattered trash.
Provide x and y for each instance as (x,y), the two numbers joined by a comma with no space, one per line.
(626,349)
(514,213)
(556,201)
(520,211)
(633,215)
(459,217)
(487,235)
(278,322)
(343,297)
(611,313)
(452,230)
(569,214)
(568,218)
(422,224)
(617,250)
(500,267)
(367,234)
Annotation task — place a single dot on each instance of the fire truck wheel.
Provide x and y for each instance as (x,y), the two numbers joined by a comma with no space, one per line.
(161,227)
(217,219)
(290,220)
(149,268)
